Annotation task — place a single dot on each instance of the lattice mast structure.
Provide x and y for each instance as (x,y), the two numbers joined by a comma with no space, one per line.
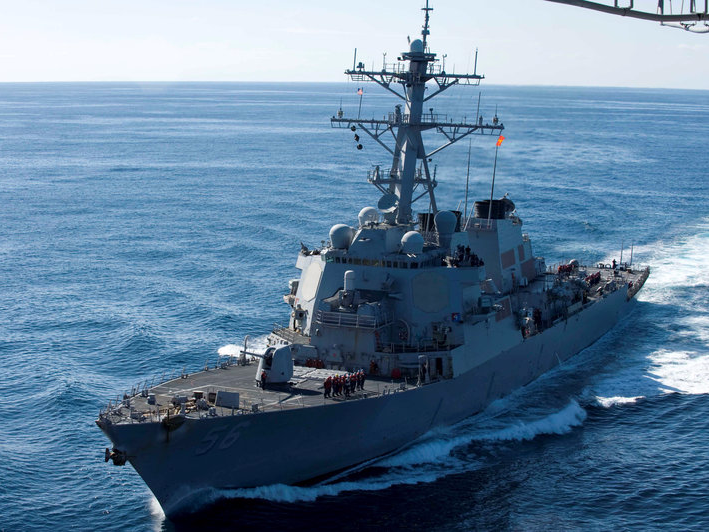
(408,180)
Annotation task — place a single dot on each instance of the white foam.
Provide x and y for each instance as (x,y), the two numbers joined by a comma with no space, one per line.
(562,422)
(256,344)
(682,366)
(677,264)
(695,327)
(428,459)
(662,371)
(608,402)
(290,494)
(436,449)
(623,382)
(157,515)
(680,371)
(676,358)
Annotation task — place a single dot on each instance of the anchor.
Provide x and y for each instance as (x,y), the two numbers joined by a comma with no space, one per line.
(119,458)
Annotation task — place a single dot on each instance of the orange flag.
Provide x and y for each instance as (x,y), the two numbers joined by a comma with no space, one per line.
(500,139)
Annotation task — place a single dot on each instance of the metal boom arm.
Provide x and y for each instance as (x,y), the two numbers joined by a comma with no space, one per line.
(687,21)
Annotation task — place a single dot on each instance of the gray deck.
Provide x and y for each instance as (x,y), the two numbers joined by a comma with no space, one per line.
(304,390)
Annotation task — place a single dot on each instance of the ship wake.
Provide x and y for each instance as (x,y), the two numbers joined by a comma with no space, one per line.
(442,452)
(666,349)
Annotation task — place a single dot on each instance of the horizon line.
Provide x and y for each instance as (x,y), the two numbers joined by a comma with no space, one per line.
(531,85)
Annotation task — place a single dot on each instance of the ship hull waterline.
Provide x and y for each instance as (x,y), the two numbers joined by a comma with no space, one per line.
(207,455)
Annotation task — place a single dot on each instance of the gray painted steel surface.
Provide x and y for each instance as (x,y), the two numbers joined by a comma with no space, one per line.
(443,318)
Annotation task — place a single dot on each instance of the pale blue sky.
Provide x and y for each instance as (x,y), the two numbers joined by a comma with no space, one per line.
(520,41)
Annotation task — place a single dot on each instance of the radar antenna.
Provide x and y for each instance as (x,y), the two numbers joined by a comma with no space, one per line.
(694,18)
(425,31)
(407,180)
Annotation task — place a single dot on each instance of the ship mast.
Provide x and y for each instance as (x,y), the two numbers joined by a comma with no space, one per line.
(405,176)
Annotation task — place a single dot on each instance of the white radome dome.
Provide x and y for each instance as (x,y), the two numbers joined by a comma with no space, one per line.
(417,46)
(445,222)
(341,236)
(412,243)
(368,215)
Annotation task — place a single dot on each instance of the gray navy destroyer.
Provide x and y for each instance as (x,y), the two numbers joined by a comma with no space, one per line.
(405,322)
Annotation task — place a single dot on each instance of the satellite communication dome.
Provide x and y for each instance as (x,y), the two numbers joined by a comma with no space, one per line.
(417,46)
(367,215)
(341,236)
(445,222)
(412,243)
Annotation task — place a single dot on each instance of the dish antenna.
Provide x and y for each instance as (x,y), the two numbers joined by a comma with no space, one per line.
(387,203)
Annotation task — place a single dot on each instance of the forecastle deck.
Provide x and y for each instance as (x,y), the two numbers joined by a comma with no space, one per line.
(180,396)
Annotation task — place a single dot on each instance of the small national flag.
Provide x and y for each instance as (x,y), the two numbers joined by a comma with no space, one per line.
(360,91)
(500,139)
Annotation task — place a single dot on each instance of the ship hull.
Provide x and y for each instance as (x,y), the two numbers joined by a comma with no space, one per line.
(293,446)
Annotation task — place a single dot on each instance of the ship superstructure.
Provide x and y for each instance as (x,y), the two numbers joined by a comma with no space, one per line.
(383,293)
(402,323)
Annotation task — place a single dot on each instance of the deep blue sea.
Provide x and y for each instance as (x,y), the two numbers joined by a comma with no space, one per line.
(143,226)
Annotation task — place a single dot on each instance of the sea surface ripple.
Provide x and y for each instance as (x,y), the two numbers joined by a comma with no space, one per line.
(145,225)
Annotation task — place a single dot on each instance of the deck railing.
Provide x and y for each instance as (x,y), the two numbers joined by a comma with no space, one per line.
(290,336)
(122,410)
(357,321)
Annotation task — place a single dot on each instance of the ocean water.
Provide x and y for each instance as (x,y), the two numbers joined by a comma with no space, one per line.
(143,226)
